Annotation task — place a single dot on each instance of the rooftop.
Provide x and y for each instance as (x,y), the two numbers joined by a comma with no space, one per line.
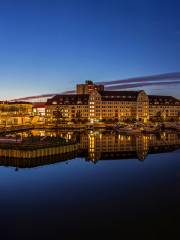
(69,99)
(119,95)
(14,102)
(163,100)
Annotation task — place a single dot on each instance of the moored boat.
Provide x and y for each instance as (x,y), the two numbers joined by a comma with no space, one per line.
(10,140)
(177,127)
(151,129)
(128,129)
(90,128)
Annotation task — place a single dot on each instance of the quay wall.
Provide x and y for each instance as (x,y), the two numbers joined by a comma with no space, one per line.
(37,153)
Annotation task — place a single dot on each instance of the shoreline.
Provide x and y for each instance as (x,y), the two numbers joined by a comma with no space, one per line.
(88,126)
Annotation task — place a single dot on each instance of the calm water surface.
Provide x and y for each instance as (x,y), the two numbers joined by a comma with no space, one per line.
(115,183)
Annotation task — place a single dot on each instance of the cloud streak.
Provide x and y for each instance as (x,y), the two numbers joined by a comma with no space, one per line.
(159,77)
(166,79)
(135,85)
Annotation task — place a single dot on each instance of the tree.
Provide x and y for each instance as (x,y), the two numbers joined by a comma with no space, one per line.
(58,115)
(85,120)
(159,116)
(3,108)
(178,115)
(13,109)
(78,116)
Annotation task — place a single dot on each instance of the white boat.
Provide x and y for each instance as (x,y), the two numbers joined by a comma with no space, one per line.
(10,140)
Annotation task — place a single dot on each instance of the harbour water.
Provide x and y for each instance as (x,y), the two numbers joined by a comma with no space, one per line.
(114,182)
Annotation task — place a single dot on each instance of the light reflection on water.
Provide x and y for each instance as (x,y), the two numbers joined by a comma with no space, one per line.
(102,145)
(132,185)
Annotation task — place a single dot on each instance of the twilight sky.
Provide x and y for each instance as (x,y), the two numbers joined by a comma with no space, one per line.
(48,46)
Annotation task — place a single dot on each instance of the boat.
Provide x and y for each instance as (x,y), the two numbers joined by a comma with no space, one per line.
(109,128)
(128,129)
(170,125)
(177,126)
(90,128)
(10,140)
(151,129)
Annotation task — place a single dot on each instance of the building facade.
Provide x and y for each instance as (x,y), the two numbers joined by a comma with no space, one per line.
(64,108)
(39,111)
(118,105)
(88,87)
(15,113)
(164,107)
(95,104)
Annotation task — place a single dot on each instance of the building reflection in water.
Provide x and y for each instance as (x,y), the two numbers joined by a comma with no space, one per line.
(101,145)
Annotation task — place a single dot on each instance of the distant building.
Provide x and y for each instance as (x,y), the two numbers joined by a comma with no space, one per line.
(95,104)
(67,108)
(165,107)
(15,113)
(39,112)
(118,105)
(21,113)
(39,108)
(88,87)
(99,105)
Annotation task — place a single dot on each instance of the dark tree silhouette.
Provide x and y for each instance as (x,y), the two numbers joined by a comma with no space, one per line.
(58,115)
